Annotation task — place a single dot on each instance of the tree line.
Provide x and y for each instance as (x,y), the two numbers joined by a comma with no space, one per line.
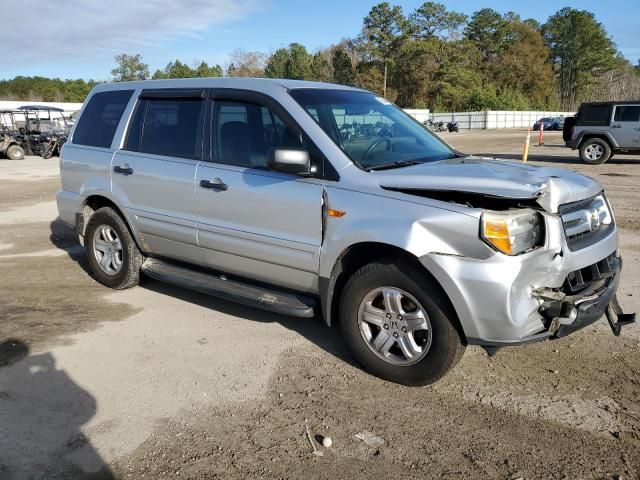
(431,57)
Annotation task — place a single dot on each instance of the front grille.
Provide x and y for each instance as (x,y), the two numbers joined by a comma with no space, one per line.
(592,275)
(586,221)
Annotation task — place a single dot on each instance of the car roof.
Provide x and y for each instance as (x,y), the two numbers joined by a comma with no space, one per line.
(264,85)
(624,102)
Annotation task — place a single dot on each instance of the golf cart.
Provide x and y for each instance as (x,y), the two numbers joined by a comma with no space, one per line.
(11,142)
(45,129)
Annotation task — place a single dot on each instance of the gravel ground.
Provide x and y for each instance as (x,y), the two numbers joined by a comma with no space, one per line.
(160,382)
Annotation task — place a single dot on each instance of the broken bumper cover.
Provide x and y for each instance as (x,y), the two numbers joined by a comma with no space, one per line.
(498,307)
(570,313)
(579,311)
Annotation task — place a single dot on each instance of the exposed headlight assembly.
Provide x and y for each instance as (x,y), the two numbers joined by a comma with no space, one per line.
(512,232)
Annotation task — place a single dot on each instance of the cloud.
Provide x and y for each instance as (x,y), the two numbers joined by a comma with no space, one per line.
(82,30)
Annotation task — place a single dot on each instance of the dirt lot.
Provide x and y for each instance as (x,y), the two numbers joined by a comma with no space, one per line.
(159,382)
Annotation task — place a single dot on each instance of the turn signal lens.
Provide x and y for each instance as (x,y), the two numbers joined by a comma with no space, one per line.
(496,232)
(335,213)
(512,232)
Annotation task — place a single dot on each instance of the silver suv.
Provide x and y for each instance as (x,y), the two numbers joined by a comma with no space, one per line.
(307,198)
(602,129)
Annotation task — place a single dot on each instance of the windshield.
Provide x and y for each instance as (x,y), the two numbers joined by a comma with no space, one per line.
(373,132)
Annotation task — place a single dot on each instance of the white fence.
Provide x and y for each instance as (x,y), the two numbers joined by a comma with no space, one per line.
(492,119)
(420,114)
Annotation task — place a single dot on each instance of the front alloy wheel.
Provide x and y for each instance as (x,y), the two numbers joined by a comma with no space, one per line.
(394,325)
(399,323)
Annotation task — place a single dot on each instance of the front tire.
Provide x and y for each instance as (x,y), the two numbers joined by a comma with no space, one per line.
(595,151)
(399,324)
(111,250)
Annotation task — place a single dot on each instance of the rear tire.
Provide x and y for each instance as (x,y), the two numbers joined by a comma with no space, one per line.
(368,320)
(595,151)
(15,152)
(111,250)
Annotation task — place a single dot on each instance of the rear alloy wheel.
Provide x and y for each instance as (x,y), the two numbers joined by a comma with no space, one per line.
(15,152)
(595,151)
(111,250)
(399,324)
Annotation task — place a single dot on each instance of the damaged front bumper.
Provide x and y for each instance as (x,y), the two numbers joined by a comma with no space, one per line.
(549,293)
(568,313)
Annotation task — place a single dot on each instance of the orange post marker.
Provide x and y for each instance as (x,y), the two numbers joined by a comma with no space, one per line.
(541,135)
(525,150)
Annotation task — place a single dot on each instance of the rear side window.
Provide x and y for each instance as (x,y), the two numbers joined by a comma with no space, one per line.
(167,126)
(100,118)
(594,115)
(627,113)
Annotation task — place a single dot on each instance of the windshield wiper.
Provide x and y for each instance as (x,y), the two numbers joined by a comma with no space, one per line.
(396,164)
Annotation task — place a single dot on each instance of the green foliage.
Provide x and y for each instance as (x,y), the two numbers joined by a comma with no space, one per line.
(129,67)
(39,89)
(384,29)
(533,24)
(178,69)
(204,70)
(488,30)
(299,65)
(580,52)
(293,62)
(277,64)
(433,19)
(343,71)
(321,68)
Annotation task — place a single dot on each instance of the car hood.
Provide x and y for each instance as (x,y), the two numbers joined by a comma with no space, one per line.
(549,187)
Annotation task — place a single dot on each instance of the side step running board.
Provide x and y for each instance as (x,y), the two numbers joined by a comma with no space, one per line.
(209,283)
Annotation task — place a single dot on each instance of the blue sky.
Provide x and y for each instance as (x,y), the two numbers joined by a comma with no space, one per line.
(83,36)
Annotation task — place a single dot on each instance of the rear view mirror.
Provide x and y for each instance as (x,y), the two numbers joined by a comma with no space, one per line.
(295,161)
(358,109)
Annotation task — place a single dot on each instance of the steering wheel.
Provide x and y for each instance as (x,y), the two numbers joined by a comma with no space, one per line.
(373,146)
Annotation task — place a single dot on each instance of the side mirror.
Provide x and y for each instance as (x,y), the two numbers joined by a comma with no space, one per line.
(285,160)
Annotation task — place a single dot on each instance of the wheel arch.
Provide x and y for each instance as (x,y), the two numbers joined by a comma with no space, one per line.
(356,256)
(95,202)
(601,135)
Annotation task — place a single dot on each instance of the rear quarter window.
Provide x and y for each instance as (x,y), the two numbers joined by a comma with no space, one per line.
(99,120)
(594,115)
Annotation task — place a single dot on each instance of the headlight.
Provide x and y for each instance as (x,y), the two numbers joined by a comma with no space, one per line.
(512,232)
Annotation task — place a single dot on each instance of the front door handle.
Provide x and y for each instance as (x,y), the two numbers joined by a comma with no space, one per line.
(616,126)
(124,170)
(214,184)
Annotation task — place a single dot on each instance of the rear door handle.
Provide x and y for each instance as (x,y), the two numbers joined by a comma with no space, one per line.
(214,184)
(124,170)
